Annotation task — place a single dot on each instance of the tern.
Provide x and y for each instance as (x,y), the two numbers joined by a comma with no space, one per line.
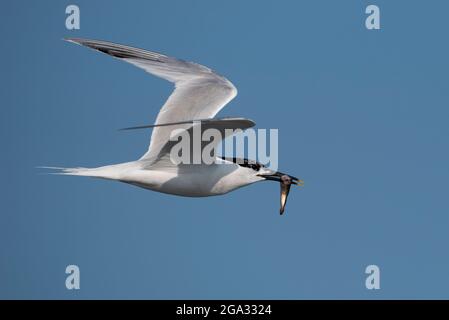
(199,95)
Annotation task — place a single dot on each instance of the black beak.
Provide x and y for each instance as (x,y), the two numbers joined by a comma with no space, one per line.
(286,181)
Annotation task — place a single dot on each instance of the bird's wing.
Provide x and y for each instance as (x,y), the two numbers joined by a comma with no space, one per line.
(224,126)
(199,92)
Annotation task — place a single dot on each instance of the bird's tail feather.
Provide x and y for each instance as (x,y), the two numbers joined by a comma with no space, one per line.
(79,171)
(114,172)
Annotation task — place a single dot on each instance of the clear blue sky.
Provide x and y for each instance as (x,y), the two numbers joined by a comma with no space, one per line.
(362,117)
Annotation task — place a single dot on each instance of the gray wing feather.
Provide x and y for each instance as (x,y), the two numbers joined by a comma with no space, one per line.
(199,92)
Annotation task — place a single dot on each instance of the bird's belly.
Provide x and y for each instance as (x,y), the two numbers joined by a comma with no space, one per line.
(190,186)
(189,182)
(202,185)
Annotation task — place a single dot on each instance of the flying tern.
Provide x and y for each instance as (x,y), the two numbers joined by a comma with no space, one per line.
(199,95)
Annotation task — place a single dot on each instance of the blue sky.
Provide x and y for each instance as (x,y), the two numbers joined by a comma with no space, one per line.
(362,118)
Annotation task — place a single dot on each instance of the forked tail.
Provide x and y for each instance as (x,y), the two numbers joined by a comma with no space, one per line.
(102,172)
(114,172)
(86,172)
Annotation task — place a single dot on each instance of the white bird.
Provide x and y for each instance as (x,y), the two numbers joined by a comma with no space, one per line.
(199,94)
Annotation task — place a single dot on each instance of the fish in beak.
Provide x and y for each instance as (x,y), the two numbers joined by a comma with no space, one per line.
(285,181)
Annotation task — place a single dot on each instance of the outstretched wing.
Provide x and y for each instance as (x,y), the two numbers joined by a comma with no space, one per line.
(199,92)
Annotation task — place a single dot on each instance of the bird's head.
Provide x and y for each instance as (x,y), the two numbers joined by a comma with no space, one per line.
(258,172)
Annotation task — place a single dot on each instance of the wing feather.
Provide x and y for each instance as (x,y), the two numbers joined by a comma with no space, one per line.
(199,92)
